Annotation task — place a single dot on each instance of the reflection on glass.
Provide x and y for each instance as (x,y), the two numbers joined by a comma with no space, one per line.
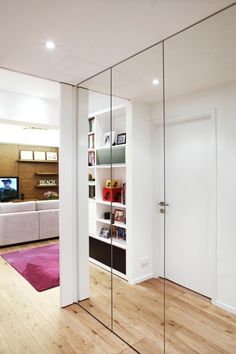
(200,266)
(161,207)
(99,204)
(138,297)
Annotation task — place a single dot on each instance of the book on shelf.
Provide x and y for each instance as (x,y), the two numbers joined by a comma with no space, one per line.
(124,194)
(91,124)
(91,141)
(91,158)
(92,192)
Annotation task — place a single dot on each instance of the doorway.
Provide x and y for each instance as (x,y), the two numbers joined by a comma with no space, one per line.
(190,181)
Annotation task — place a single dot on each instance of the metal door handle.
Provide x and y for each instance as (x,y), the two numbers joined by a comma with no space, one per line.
(163,204)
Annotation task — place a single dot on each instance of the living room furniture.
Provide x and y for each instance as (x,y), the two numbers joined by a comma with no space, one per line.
(30,172)
(28,221)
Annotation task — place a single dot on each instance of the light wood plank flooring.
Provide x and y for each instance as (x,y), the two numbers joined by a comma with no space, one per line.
(193,324)
(32,322)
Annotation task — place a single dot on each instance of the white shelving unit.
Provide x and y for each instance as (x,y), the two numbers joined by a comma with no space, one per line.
(138,170)
(101,171)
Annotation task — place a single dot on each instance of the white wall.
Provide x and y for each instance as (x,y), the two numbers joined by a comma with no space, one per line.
(223,100)
(68,197)
(18,134)
(20,111)
(24,108)
(99,102)
(139,192)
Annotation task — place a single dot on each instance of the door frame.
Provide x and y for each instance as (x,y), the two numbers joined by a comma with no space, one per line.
(203,115)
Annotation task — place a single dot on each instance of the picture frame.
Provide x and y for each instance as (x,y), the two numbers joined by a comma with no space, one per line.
(109,139)
(51,156)
(121,139)
(26,155)
(119,215)
(105,233)
(39,155)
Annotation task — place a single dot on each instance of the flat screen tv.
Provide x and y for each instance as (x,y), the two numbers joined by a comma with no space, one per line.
(9,188)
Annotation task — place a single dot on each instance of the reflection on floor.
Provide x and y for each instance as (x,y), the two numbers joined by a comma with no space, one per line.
(193,324)
(33,322)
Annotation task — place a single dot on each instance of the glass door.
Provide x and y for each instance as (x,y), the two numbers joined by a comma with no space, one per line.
(138,295)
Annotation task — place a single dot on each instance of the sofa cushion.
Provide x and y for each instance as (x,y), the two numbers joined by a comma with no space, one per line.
(6,208)
(48,223)
(47,204)
(18,227)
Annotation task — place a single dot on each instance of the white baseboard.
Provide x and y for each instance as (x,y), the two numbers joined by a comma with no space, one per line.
(224,306)
(143,278)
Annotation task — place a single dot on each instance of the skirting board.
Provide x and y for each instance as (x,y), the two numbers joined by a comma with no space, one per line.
(224,306)
(143,278)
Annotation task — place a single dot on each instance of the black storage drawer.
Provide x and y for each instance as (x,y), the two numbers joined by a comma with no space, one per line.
(101,252)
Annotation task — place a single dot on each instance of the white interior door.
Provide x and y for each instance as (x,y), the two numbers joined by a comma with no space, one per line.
(189,182)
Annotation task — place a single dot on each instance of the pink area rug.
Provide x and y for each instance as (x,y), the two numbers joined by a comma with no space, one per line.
(38,265)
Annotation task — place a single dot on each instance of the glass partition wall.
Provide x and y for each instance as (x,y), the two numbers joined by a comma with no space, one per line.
(126,241)
(161,187)
(98,120)
(200,174)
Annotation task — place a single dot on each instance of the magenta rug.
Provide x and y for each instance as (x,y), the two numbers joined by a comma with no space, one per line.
(38,265)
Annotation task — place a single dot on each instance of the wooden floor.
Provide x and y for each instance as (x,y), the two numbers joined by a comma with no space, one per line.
(193,324)
(32,322)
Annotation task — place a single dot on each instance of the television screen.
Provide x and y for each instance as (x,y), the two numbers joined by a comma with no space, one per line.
(9,188)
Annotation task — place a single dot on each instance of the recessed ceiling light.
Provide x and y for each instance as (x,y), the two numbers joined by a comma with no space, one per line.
(50,45)
(155,82)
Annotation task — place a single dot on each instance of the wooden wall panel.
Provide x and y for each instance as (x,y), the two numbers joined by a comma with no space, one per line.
(27,171)
(9,155)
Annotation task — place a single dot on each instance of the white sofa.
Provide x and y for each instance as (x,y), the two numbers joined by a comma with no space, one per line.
(28,221)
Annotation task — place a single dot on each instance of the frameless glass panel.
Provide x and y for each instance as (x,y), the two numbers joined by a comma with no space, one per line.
(99,204)
(137,122)
(200,150)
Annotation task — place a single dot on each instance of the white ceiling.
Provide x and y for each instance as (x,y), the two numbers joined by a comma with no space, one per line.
(197,59)
(90,35)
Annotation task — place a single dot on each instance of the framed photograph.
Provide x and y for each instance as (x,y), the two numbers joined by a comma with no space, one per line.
(26,155)
(105,233)
(51,156)
(39,155)
(109,139)
(121,139)
(119,215)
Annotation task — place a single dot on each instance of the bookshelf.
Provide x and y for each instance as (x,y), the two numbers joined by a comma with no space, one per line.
(101,156)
